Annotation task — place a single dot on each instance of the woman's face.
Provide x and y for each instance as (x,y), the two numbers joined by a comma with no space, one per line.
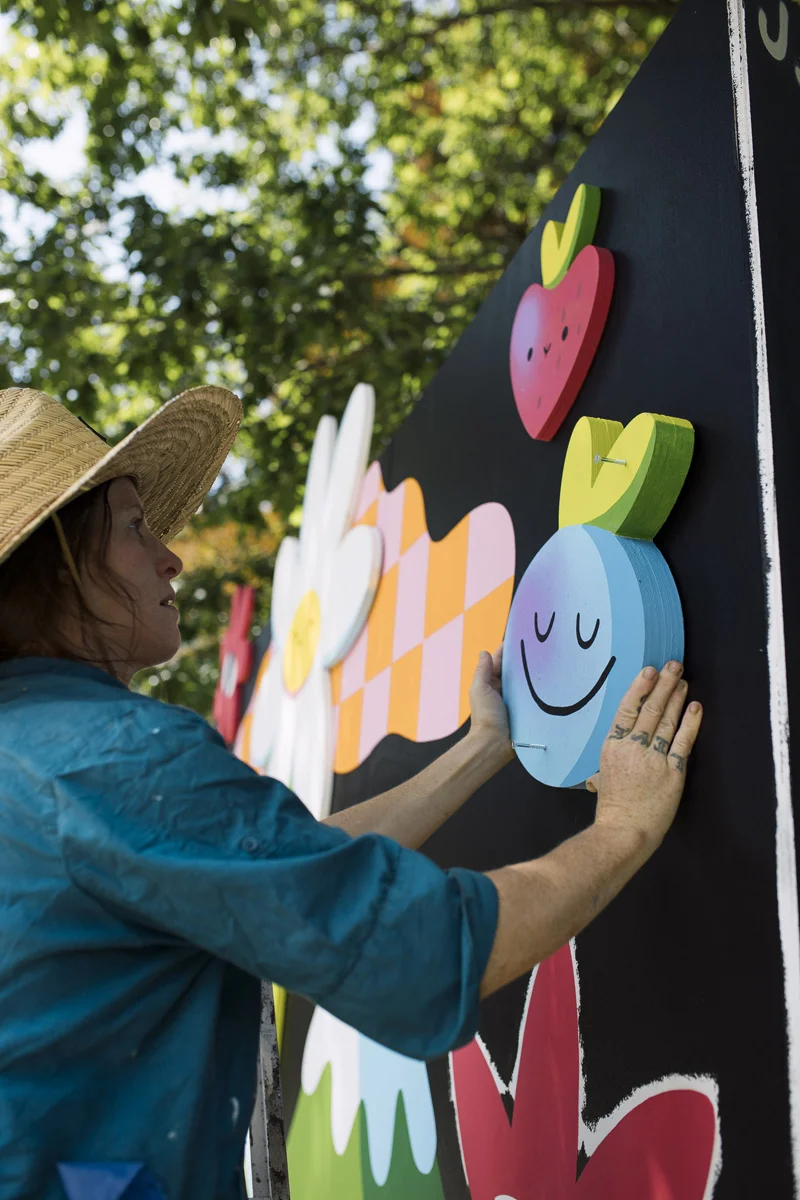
(142,632)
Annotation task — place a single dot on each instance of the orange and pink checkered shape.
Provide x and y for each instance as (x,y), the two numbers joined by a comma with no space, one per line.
(438,605)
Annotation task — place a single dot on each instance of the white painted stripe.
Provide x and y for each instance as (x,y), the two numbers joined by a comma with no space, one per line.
(248,1167)
(788,912)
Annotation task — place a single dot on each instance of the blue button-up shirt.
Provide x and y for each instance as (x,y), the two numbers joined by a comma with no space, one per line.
(148,880)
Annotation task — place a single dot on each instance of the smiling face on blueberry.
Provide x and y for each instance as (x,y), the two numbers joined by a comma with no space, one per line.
(565,710)
(560,630)
(577,634)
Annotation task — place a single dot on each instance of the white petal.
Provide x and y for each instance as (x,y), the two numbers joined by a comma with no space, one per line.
(312,763)
(238,742)
(329,1040)
(266,713)
(315,499)
(285,590)
(349,462)
(280,761)
(350,590)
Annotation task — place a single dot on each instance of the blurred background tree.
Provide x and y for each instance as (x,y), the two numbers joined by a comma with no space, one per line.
(282,196)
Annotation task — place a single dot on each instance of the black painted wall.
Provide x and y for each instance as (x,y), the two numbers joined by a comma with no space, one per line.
(684,972)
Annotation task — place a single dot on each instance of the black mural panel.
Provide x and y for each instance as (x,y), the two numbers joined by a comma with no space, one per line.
(683,973)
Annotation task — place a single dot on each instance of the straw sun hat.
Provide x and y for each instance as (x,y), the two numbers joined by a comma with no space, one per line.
(48,456)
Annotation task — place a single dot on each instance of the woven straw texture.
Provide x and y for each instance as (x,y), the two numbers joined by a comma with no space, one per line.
(48,457)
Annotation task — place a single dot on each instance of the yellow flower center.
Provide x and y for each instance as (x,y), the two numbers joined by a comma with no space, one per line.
(302,643)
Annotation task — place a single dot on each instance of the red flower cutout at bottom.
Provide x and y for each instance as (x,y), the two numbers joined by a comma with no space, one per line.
(236,663)
(662,1149)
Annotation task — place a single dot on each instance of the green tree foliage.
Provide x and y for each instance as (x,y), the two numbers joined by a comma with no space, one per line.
(305,279)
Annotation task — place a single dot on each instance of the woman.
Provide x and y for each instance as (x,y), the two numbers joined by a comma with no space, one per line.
(149,878)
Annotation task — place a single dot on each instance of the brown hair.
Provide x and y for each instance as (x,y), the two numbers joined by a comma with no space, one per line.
(36,583)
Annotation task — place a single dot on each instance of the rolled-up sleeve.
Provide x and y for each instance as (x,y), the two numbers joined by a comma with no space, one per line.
(163,825)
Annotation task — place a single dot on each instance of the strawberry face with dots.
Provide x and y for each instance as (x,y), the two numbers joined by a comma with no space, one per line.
(554,339)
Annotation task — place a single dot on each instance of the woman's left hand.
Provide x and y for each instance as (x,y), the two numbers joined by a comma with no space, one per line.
(489,713)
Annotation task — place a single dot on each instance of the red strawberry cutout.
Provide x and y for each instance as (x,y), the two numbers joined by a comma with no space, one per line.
(554,339)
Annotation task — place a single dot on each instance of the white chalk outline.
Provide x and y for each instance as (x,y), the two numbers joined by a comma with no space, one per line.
(786,861)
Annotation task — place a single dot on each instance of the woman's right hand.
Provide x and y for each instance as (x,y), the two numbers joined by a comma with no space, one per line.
(643,763)
(545,902)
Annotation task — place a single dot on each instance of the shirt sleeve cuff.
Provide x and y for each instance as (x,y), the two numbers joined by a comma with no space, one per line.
(415,985)
(481,907)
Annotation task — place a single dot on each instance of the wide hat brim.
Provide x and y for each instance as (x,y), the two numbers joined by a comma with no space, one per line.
(48,457)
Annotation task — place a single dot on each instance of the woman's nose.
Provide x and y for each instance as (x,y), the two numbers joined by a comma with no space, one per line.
(170,564)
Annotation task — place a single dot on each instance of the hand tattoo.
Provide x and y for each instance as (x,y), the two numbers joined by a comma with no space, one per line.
(618,733)
(660,745)
(642,738)
(680,762)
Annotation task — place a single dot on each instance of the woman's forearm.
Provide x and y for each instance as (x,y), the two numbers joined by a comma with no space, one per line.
(412,812)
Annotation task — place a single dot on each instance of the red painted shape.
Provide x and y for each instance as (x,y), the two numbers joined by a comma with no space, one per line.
(662,1149)
(236,663)
(549,365)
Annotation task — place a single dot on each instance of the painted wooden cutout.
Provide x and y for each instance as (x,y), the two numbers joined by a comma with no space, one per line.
(324,585)
(561,243)
(661,1144)
(236,663)
(554,339)
(355,573)
(632,494)
(593,608)
(409,669)
(438,605)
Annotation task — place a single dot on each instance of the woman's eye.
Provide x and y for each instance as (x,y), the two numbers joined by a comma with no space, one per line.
(137,525)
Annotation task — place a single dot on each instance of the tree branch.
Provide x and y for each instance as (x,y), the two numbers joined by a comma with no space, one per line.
(439,269)
(428,34)
(507,6)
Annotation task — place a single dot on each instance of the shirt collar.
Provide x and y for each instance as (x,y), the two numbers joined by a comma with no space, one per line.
(15,668)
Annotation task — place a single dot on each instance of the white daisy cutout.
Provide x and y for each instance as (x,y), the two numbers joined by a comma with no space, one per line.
(324,585)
